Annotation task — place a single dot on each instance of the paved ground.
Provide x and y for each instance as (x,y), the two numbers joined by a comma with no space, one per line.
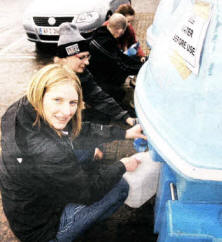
(131,225)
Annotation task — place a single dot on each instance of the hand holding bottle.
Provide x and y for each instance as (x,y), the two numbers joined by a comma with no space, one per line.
(131,163)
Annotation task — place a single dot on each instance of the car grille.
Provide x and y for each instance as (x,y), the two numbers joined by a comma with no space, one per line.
(43,21)
(49,37)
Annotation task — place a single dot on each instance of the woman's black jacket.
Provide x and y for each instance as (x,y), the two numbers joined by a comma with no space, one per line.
(39,173)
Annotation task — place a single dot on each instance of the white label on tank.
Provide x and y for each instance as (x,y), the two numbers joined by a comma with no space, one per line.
(188,38)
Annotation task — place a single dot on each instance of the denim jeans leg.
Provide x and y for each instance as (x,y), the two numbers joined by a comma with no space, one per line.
(76,218)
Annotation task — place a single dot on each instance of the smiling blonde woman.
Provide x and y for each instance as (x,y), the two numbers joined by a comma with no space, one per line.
(44,83)
(50,190)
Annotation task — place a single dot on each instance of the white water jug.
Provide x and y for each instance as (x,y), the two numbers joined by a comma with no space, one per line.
(143,181)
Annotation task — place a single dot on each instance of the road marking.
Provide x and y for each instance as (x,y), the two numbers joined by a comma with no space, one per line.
(7,31)
(2,51)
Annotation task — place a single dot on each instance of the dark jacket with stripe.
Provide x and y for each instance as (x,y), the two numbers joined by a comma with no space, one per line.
(99,99)
(108,63)
(39,173)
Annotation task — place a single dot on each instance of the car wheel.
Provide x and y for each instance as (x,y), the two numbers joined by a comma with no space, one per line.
(40,46)
(108,15)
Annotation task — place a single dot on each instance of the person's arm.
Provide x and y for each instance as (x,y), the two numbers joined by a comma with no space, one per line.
(133,39)
(128,64)
(100,100)
(69,182)
(49,161)
(93,135)
(107,132)
(114,57)
(93,132)
(140,52)
(60,172)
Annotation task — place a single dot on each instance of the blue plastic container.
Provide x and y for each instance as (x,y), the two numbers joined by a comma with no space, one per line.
(167,177)
(190,222)
(140,145)
(178,102)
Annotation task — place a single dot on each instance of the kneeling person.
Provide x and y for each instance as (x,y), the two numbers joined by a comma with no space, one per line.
(48,191)
(73,50)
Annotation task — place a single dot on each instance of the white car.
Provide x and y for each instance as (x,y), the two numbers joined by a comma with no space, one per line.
(42,18)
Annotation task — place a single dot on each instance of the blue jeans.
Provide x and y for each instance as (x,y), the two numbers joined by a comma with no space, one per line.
(76,218)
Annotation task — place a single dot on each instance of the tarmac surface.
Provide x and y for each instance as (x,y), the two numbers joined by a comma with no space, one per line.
(127,224)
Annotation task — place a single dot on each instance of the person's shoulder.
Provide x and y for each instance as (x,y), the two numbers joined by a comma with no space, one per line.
(86,76)
(131,29)
(12,111)
(100,32)
(43,146)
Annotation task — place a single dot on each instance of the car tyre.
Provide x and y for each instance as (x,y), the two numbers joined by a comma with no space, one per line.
(40,47)
(46,48)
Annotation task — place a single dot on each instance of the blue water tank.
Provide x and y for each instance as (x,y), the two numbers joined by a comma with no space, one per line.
(178,103)
(163,18)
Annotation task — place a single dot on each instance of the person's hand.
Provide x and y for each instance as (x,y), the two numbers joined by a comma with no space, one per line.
(143,59)
(135,132)
(131,121)
(131,163)
(98,155)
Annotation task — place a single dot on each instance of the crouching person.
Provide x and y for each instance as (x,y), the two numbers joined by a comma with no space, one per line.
(73,51)
(108,64)
(47,193)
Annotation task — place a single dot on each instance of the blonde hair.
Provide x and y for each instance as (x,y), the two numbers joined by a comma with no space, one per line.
(60,61)
(43,80)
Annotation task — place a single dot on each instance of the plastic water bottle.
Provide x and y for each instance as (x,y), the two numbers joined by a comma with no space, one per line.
(133,49)
(140,145)
(143,181)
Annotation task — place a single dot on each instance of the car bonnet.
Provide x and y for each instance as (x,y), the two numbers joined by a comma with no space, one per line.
(64,8)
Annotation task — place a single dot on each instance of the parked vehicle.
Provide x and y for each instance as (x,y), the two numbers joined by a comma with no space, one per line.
(42,17)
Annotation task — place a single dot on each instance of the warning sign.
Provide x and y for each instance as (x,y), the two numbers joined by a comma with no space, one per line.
(188,38)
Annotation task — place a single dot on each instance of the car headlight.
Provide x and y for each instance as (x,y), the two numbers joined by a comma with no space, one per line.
(87,17)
